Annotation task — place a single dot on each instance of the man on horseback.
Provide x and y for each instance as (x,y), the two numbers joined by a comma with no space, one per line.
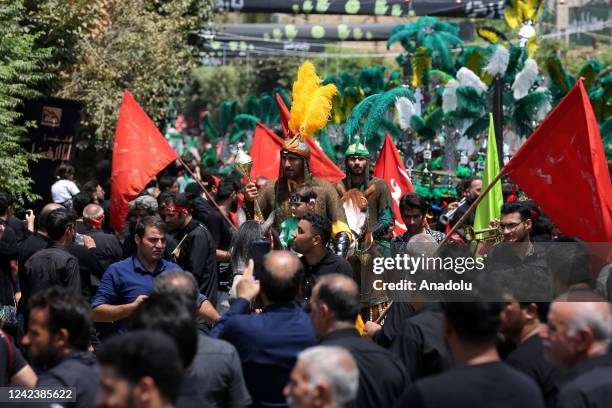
(309,112)
(368,207)
(380,213)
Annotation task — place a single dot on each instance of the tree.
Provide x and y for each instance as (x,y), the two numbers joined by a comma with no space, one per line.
(20,72)
(141,45)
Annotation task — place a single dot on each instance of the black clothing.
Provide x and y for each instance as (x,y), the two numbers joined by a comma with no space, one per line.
(89,268)
(462,209)
(108,248)
(398,312)
(129,247)
(330,263)
(382,379)
(53,265)
(469,386)
(79,370)
(528,357)
(20,228)
(11,360)
(529,278)
(8,253)
(212,218)
(29,247)
(197,255)
(420,343)
(591,385)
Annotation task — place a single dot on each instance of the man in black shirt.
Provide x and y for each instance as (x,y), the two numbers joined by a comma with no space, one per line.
(420,343)
(57,340)
(383,335)
(334,307)
(14,370)
(53,265)
(195,251)
(310,240)
(518,263)
(479,379)
(8,255)
(107,246)
(578,337)
(521,323)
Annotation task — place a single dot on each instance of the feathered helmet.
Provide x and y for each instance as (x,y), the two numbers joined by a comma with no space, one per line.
(357,149)
(310,110)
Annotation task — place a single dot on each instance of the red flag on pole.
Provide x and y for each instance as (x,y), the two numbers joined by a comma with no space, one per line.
(265,152)
(139,153)
(562,167)
(284,114)
(390,168)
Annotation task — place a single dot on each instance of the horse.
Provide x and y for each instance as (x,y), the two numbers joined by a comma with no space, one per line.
(363,249)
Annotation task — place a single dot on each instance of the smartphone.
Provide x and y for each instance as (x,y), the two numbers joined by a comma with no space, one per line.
(259,249)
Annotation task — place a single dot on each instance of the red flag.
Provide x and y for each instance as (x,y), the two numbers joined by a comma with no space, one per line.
(265,152)
(139,153)
(562,167)
(390,168)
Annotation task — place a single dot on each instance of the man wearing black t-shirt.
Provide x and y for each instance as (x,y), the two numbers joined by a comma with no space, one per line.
(334,308)
(479,379)
(420,343)
(195,251)
(310,240)
(521,323)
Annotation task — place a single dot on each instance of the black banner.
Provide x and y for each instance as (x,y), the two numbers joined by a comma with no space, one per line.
(310,32)
(225,48)
(394,8)
(53,138)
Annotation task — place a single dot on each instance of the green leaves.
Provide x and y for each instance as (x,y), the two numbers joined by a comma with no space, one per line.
(21,70)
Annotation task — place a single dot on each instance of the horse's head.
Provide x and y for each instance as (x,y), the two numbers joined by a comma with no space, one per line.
(355,205)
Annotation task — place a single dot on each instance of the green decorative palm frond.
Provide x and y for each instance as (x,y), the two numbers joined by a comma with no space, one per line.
(516,61)
(589,72)
(226,114)
(470,101)
(209,129)
(372,79)
(477,127)
(525,110)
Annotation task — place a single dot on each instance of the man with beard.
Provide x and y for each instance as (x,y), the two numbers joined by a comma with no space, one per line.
(141,369)
(195,251)
(309,113)
(380,213)
(57,340)
(141,207)
(471,190)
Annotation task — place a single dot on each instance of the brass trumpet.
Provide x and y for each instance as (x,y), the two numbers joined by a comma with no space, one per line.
(487,235)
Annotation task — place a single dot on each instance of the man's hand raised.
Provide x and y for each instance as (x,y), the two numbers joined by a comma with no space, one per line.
(248,287)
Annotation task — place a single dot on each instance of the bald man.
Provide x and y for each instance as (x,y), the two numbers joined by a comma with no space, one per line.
(577,337)
(108,248)
(268,342)
(334,307)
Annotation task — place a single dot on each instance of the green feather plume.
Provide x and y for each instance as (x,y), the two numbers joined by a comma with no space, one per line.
(469,100)
(251,106)
(524,112)
(589,72)
(378,112)
(477,127)
(226,115)
(360,111)
(516,60)
(209,129)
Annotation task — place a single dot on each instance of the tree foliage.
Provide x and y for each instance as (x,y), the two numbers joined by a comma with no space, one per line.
(107,46)
(21,69)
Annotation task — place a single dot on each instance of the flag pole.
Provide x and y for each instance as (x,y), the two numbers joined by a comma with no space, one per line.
(208,196)
(471,208)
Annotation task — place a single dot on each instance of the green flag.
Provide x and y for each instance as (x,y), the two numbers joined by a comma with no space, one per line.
(489,208)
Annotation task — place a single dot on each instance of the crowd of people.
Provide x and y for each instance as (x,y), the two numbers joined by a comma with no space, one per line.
(182,308)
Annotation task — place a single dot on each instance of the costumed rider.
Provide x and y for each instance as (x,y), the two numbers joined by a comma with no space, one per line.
(310,111)
(357,167)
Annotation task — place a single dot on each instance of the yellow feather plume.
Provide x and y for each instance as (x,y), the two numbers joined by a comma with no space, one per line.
(312,103)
